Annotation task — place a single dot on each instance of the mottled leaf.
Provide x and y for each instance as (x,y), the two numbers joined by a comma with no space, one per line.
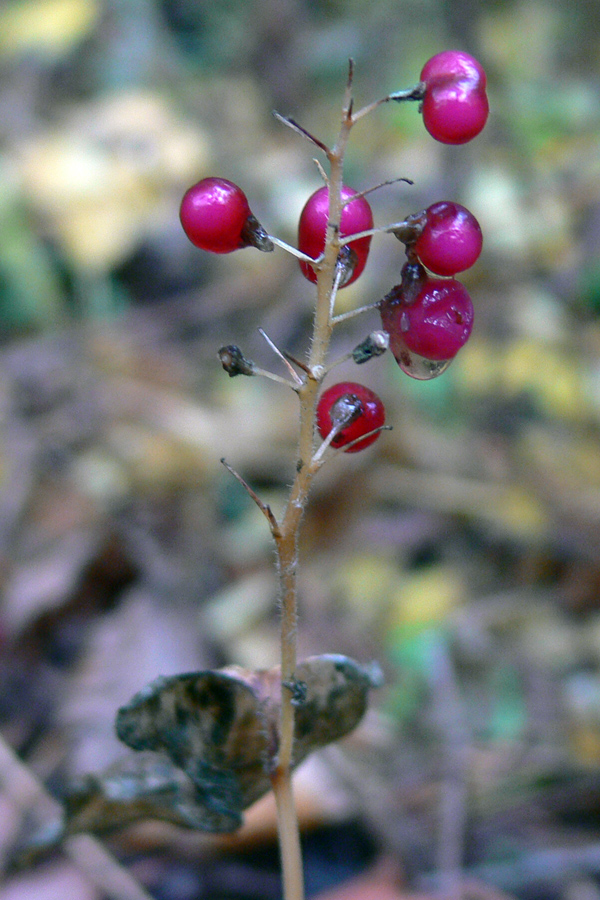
(220,727)
(336,698)
(201,720)
(207,742)
(140,786)
(144,785)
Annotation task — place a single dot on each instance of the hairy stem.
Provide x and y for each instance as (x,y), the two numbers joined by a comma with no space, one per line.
(287,535)
(289,839)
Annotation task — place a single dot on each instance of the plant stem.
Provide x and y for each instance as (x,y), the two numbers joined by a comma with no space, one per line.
(381,229)
(415,93)
(289,839)
(290,249)
(287,535)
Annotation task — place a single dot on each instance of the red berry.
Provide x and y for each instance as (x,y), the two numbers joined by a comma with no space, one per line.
(214,214)
(355,402)
(455,104)
(434,326)
(356,216)
(451,239)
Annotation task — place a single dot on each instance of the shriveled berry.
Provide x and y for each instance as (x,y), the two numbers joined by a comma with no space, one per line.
(356,216)
(354,404)
(451,239)
(234,362)
(216,216)
(434,326)
(455,105)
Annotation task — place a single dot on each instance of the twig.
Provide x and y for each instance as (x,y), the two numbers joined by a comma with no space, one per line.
(280,379)
(318,460)
(415,93)
(287,540)
(339,275)
(264,507)
(297,362)
(322,171)
(380,229)
(376,187)
(277,351)
(291,123)
(289,248)
(342,317)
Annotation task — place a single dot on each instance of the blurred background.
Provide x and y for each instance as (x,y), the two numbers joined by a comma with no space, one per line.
(461,551)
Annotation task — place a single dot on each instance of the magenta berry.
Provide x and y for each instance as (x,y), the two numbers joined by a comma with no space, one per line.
(214,213)
(451,239)
(455,104)
(434,326)
(216,216)
(361,406)
(356,216)
(440,320)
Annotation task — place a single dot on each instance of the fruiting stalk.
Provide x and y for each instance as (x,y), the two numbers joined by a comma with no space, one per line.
(425,322)
(287,534)
(293,251)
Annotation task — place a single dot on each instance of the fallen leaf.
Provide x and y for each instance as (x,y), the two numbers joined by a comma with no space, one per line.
(208,742)
(220,727)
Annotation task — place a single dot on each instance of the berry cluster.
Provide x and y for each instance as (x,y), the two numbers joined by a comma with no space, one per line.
(428,316)
(428,319)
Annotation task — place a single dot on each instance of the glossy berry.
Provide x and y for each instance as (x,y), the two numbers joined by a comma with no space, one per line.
(216,216)
(455,105)
(355,402)
(451,239)
(434,326)
(356,216)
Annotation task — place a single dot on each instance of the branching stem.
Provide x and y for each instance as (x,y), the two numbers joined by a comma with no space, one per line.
(296,380)
(280,379)
(287,535)
(342,317)
(264,507)
(289,248)
(299,129)
(380,229)
(415,93)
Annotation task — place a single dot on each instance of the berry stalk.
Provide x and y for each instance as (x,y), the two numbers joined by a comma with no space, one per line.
(287,537)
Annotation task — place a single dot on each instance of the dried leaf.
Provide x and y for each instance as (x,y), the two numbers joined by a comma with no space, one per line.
(144,785)
(335,700)
(139,786)
(201,720)
(220,727)
(208,742)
